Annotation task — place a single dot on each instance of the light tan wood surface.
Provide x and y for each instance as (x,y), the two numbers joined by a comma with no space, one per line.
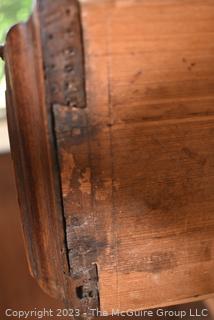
(150,80)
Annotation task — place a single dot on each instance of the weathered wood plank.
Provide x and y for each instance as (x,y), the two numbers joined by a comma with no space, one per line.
(151,148)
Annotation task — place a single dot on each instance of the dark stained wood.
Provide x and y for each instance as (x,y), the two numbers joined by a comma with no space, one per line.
(65,90)
(112,137)
(1,52)
(33,157)
(35,160)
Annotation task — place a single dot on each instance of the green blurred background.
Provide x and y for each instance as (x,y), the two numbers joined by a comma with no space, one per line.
(11,12)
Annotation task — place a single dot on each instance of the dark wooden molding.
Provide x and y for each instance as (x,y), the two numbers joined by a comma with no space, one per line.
(32,152)
(62,47)
(30,99)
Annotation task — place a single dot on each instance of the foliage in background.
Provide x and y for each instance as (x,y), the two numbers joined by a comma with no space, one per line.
(11,12)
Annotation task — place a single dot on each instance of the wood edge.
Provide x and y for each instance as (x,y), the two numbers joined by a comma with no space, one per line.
(68,94)
(34,154)
(21,49)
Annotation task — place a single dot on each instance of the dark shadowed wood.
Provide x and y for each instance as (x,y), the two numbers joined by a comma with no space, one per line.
(35,159)
(65,90)
(32,152)
(1,52)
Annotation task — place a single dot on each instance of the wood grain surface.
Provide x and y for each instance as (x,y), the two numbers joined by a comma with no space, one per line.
(112,137)
(33,153)
(150,100)
(19,291)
